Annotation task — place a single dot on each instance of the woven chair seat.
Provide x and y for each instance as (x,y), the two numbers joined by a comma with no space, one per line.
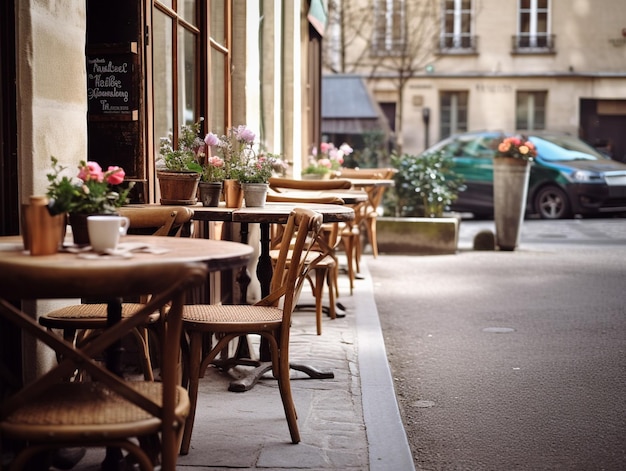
(212,315)
(89,410)
(96,313)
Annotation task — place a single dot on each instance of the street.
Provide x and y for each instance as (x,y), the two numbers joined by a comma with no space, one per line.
(511,360)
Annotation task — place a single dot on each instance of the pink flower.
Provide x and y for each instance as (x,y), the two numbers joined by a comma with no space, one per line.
(325,163)
(211,140)
(91,171)
(115,175)
(504,146)
(325,147)
(216,161)
(244,134)
(346,149)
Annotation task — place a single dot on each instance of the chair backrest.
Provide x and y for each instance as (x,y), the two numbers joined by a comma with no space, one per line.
(367,173)
(300,233)
(157,220)
(278,198)
(279,183)
(169,280)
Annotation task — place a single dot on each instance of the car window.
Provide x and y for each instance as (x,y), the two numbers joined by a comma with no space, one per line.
(479,148)
(564,148)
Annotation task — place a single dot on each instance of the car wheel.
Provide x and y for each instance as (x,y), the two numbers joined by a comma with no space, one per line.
(551,203)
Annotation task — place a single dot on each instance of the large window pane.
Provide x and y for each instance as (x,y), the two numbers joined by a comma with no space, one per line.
(187,74)
(162,76)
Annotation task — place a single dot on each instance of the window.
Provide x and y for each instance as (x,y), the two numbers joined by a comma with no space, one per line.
(456,31)
(453,112)
(530,111)
(180,64)
(175,49)
(534,25)
(389,28)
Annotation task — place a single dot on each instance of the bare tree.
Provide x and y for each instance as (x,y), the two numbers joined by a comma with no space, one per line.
(382,39)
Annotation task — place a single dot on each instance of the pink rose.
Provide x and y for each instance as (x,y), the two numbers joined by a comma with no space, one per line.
(91,171)
(216,161)
(325,147)
(115,175)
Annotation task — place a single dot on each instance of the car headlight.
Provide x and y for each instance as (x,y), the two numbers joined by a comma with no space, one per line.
(585,176)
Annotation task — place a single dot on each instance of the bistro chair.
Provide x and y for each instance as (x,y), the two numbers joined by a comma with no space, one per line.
(81,322)
(368,213)
(51,412)
(349,233)
(270,318)
(322,260)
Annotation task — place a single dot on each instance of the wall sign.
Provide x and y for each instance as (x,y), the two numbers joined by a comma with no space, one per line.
(111,83)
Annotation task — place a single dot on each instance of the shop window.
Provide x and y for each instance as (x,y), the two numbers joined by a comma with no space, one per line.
(453,112)
(530,110)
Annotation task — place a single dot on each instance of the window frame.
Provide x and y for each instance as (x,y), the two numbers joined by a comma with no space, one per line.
(457,40)
(533,38)
(530,109)
(389,35)
(453,125)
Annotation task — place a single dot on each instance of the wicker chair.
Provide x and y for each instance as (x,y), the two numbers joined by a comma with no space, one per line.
(322,258)
(265,318)
(81,322)
(349,234)
(368,213)
(52,413)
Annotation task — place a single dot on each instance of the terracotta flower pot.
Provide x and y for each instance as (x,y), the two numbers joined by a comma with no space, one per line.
(178,187)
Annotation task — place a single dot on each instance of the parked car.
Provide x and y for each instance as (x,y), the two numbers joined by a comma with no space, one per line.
(567,177)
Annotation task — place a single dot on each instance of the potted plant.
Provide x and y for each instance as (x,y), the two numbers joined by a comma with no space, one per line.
(236,149)
(210,186)
(511,170)
(179,169)
(92,191)
(424,186)
(329,159)
(254,176)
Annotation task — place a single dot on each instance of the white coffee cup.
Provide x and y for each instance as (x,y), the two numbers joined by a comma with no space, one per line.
(105,231)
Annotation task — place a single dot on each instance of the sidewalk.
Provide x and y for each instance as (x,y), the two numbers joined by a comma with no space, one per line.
(350,422)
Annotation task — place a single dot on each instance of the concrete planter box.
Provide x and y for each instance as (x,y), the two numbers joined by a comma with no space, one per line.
(418,236)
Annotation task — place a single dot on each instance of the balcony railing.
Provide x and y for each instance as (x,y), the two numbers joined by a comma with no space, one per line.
(461,44)
(535,43)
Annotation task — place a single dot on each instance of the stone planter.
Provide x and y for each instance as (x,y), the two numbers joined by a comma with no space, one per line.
(418,236)
(255,194)
(510,189)
(209,193)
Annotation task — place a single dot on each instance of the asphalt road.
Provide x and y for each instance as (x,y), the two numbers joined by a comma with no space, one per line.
(512,360)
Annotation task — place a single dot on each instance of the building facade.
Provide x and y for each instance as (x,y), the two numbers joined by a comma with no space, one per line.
(105,80)
(438,67)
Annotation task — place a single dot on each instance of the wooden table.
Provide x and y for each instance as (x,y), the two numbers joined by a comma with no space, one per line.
(272,213)
(23,276)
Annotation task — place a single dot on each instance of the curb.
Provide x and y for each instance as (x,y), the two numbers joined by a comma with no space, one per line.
(388,444)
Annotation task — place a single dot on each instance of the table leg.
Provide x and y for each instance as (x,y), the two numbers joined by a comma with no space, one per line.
(264,273)
(114,459)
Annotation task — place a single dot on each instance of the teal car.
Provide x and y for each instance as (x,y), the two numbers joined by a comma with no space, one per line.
(567,178)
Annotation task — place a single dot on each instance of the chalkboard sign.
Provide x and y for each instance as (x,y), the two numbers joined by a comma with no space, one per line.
(111,83)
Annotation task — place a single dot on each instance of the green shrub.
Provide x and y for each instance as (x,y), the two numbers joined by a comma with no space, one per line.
(425,185)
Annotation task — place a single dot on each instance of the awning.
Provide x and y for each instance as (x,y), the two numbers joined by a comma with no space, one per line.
(318,16)
(348,107)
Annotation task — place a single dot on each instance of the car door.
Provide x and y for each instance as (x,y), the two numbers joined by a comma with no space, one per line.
(473,160)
